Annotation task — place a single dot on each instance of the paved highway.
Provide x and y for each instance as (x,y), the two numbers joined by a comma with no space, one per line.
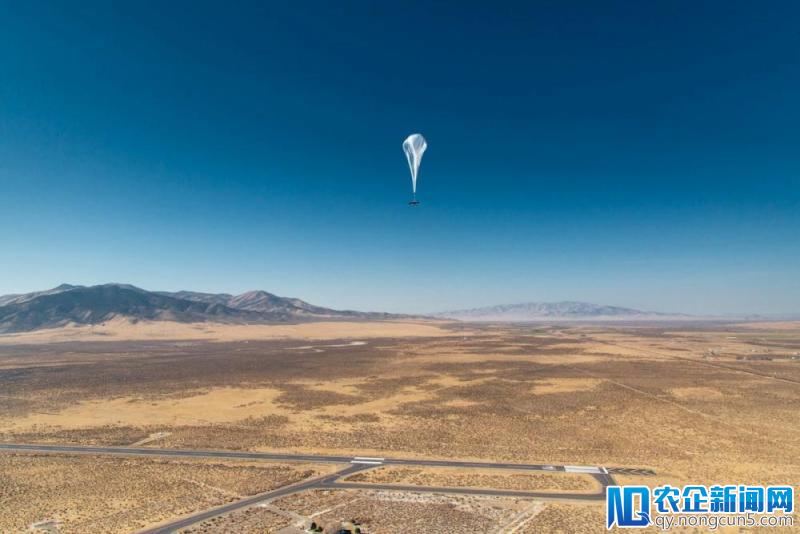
(281,457)
(184,522)
(355,464)
(146,451)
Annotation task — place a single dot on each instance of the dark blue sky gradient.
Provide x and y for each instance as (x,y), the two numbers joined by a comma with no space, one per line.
(636,153)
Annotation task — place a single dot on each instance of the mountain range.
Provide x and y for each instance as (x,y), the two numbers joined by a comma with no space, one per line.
(565,310)
(84,305)
(87,305)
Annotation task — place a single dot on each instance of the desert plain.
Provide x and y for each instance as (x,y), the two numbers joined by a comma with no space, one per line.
(653,403)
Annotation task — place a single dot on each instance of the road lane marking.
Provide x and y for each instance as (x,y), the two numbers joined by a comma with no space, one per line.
(583,469)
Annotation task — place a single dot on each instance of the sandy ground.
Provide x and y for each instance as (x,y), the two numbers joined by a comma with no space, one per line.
(478,478)
(81,494)
(773,325)
(125,330)
(707,404)
(385,512)
(215,406)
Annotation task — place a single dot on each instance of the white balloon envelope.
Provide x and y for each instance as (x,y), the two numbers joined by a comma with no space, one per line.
(414,146)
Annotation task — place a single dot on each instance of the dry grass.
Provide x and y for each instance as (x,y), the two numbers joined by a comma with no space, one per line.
(121,329)
(381,512)
(113,494)
(567,519)
(697,404)
(253,520)
(481,478)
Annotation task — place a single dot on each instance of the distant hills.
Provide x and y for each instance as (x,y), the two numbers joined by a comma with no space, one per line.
(566,310)
(85,305)
(88,305)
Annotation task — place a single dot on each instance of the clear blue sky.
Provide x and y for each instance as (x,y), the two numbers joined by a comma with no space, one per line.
(643,154)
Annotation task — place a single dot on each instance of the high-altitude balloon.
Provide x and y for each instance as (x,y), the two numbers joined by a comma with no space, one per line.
(414,146)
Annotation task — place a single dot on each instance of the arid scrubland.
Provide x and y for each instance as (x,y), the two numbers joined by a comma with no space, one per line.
(705,403)
(83,493)
(477,478)
(382,512)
